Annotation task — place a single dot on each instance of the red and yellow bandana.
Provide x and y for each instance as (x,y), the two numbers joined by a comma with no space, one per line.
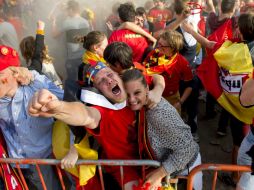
(92,72)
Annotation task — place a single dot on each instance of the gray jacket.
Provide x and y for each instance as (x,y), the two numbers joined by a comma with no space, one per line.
(170,138)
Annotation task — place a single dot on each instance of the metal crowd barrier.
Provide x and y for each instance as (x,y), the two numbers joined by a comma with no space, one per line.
(121,163)
(98,163)
(215,168)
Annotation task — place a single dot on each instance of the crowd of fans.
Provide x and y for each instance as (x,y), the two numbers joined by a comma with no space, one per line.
(131,90)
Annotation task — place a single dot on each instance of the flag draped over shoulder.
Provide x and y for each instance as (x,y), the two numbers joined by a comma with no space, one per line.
(92,58)
(224,32)
(61,145)
(221,34)
(223,74)
(157,63)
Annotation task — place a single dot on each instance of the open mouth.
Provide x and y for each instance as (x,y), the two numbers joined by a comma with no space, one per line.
(133,103)
(116,90)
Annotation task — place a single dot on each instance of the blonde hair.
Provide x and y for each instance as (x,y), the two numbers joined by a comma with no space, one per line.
(46,57)
(174,40)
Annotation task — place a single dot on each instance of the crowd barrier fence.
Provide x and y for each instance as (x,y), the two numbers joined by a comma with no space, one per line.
(99,163)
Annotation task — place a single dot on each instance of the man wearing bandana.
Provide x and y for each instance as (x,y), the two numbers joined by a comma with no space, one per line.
(109,120)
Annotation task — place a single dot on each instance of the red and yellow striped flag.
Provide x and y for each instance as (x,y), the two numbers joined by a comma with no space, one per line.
(223,74)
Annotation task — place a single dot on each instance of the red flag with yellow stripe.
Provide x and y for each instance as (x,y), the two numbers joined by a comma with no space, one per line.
(157,63)
(223,74)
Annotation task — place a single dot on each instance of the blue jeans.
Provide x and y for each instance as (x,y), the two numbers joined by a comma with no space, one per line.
(33,180)
(246,181)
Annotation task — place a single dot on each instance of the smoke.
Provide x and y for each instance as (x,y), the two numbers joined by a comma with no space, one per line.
(41,10)
(101,8)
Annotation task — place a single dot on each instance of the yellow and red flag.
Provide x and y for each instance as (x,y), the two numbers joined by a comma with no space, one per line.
(61,145)
(223,74)
(157,63)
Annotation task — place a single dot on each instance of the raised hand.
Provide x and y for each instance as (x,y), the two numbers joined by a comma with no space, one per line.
(44,104)
(40,25)
(187,27)
(109,26)
(22,74)
(153,99)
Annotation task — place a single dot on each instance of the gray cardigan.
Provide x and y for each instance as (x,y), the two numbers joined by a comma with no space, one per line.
(170,138)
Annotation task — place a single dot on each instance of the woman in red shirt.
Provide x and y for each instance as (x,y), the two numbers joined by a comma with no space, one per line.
(167,61)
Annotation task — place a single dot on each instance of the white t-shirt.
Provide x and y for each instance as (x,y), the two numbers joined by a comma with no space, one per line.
(49,71)
(194,20)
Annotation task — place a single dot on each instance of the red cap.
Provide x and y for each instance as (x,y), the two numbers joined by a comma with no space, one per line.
(8,57)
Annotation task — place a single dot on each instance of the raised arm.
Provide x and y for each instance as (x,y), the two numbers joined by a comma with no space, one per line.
(219,7)
(202,40)
(247,93)
(46,104)
(135,28)
(154,96)
(209,6)
(55,31)
(36,63)
(174,24)
(52,18)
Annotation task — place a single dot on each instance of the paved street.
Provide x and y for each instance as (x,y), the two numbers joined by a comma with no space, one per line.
(211,153)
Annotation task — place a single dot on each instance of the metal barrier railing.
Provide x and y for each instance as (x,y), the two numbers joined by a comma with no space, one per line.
(215,168)
(120,163)
(98,163)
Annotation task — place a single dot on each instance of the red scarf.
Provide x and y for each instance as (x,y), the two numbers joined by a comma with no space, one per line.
(145,150)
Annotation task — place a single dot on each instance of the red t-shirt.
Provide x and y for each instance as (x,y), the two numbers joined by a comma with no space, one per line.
(178,70)
(137,42)
(117,133)
(159,17)
(118,136)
